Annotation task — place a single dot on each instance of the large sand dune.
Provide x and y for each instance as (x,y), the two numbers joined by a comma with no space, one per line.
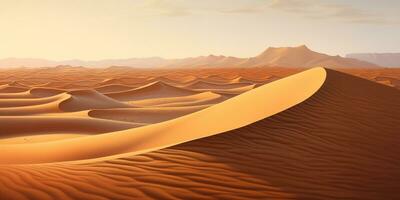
(319,134)
(250,105)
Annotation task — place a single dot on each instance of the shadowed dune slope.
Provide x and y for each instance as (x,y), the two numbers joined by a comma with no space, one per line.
(152,90)
(203,98)
(213,120)
(27,101)
(207,85)
(89,99)
(33,106)
(32,93)
(341,143)
(45,92)
(232,88)
(144,115)
(11,89)
(112,88)
(34,125)
(77,100)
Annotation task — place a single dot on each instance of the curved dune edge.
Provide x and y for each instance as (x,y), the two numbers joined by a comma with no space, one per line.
(89,99)
(144,115)
(36,125)
(190,100)
(156,89)
(234,113)
(6,103)
(49,107)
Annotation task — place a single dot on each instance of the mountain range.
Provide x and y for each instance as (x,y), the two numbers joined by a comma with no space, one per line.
(382,59)
(300,56)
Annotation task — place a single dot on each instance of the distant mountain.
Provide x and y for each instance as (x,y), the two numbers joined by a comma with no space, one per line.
(205,61)
(383,59)
(299,56)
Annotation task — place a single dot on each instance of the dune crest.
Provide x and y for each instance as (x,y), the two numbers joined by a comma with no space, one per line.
(254,105)
(190,100)
(152,90)
(319,134)
(89,99)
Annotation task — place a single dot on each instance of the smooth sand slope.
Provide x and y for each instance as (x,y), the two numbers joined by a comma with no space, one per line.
(89,99)
(152,90)
(320,134)
(250,105)
(145,115)
(15,126)
(204,98)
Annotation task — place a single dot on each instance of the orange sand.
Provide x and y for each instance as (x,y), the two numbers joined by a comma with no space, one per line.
(121,133)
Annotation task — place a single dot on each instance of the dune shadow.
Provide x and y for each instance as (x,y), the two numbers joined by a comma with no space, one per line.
(340,143)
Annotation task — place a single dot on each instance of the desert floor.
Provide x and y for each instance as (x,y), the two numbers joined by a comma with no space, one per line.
(251,133)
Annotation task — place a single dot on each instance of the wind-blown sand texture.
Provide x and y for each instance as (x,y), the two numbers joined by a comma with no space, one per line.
(122,133)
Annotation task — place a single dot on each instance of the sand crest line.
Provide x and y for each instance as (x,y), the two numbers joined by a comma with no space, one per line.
(253,106)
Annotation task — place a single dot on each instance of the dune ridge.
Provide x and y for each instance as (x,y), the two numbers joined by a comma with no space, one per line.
(34,125)
(204,98)
(144,115)
(89,99)
(336,140)
(171,132)
(152,90)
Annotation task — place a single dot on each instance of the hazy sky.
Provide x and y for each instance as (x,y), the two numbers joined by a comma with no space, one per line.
(98,29)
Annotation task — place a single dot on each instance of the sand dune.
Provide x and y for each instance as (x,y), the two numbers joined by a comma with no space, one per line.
(233,88)
(169,133)
(207,85)
(145,115)
(178,78)
(319,134)
(15,95)
(394,82)
(216,79)
(390,76)
(27,101)
(89,99)
(32,93)
(246,80)
(49,105)
(34,125)
(152,90)
(11,89)
(68,102)
(112,81)
(17,84)
(204,98)
(37,138)
(113,88)
(45,92)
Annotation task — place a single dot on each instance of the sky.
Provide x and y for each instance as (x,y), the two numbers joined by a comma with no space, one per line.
(104,29)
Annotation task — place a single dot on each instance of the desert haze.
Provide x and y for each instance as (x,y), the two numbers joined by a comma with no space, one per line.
(300,56)
(382,59)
